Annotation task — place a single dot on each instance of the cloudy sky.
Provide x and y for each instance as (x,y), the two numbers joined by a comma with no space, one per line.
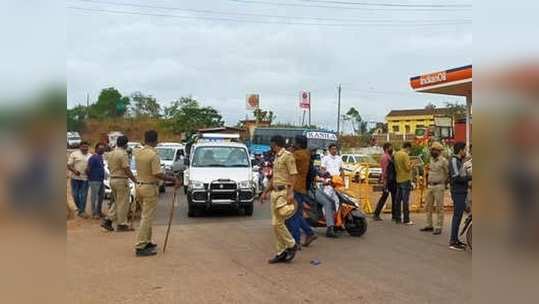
(220,50)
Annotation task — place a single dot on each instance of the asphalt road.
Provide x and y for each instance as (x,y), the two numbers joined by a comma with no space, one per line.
(221,258)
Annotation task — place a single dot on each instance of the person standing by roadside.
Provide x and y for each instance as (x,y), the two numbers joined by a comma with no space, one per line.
(297,222)
(436,181)
(389,182)
(281,188)
(120,172)
(403,168)
(96,176)
(78,165)
(149,173)
(459,190)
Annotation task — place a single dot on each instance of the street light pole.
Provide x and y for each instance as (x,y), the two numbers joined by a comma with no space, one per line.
(339,110)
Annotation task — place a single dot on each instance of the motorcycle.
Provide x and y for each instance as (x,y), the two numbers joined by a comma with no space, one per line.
(348,216)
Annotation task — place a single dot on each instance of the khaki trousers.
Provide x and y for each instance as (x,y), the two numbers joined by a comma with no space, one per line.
(120,193)
(434,198)
(283,238)
(148,195)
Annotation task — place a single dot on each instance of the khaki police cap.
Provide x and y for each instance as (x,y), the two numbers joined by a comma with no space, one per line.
(437,146)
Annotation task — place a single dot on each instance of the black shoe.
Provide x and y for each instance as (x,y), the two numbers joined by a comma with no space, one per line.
(150,245)
(309,239)
(330,232)
(107,224)
(376,218)
(145,252)
(437,231)
(124,228)
(463,244)
(290,253)
(426,229)
(457,246)
(278,258)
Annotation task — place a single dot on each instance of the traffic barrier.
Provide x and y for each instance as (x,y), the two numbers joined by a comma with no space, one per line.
(362,190)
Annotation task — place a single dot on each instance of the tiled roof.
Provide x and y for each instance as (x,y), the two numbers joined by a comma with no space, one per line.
(417,112)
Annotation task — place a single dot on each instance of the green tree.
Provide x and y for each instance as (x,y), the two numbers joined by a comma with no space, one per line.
(456,110)
(186,116)
(261,115)
(145,105)
(76,117)
(110,104)
(358,124)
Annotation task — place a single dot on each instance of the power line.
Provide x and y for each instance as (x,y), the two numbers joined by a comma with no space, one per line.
(342,25)
(389,4)
(265,15)
(408,9)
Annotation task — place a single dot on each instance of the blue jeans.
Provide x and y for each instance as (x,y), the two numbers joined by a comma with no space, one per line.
(297,222)
(97,194)
(459,204)
(403,197)
(79,190)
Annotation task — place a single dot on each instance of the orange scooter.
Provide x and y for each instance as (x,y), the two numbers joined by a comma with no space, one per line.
(348,216)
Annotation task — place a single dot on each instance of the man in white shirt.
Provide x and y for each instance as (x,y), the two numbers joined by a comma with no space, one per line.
(332,162)
(78,165)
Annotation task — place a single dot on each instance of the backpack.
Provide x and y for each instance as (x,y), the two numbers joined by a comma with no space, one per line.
(391,172)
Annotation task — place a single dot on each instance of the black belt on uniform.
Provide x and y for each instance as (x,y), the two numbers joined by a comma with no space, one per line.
(279,187)
(143,183)
(434,184)
(125,177)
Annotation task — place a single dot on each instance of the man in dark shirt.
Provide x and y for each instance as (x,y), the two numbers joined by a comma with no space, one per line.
(297,222)
(459,180)
(96,176)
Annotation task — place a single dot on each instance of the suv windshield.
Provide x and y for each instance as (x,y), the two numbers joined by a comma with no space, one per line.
(166,153)
(365,159)
(221,157)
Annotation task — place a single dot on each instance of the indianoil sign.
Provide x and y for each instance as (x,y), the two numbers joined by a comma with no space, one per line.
(433,78)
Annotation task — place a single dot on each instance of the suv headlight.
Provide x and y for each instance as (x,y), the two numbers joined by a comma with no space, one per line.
(196,185)
(245,184)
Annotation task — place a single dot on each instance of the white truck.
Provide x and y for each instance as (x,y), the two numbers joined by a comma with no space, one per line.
(219,174)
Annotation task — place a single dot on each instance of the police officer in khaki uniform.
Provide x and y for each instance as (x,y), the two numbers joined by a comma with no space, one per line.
(283,206)
(120,172)
(149,173)
(436,181)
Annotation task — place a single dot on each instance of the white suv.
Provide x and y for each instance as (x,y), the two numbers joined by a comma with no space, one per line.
(220,173)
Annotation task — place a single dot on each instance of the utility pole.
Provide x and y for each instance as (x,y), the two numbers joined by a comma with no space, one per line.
(87,105)
(310,101)
(339,111)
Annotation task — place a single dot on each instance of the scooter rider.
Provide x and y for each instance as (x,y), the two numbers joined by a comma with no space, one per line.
(331,166)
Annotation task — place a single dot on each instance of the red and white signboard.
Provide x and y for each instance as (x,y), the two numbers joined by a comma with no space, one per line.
(305,100)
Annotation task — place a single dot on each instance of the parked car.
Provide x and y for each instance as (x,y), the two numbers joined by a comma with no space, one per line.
(362,166)
(220,174)
(172,155)
(73,140)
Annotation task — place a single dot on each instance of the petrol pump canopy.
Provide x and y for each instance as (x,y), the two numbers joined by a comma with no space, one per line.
(457,81)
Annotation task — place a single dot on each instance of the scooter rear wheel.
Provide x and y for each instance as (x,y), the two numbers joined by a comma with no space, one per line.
(356,226)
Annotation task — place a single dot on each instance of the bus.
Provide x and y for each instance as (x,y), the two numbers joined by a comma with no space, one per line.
(318,139)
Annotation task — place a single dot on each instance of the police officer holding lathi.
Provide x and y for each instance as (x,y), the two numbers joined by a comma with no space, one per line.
(149,173)
(283,206)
